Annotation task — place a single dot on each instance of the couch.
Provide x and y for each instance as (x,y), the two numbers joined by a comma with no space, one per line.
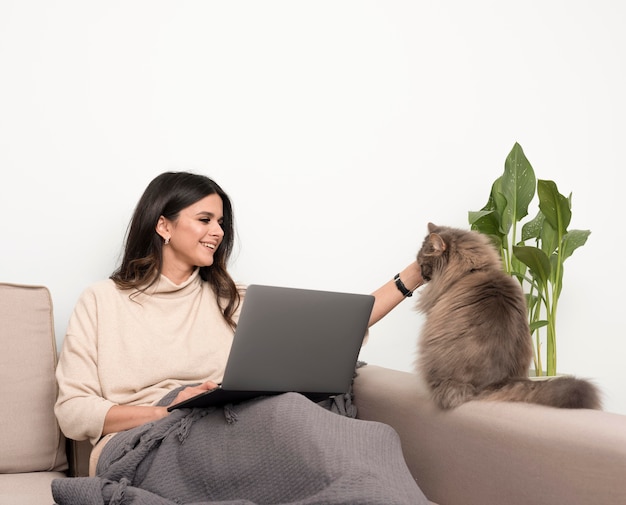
(481,453)
(498,453)
(33,450)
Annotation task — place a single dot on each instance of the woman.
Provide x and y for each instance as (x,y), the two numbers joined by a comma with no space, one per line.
(158,332)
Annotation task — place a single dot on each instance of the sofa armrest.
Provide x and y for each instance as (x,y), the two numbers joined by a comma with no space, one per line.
(498,452)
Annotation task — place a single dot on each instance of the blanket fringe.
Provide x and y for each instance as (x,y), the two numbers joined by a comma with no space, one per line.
(229,414)
(117,498)
(182,431)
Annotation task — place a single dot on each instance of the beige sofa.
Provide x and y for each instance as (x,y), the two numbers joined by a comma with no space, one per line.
(32,449)
(482,453)
(499,453)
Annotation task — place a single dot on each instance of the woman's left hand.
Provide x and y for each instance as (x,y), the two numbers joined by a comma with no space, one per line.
(388,295)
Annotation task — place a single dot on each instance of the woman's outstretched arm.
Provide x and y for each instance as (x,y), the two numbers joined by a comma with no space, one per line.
(390,295)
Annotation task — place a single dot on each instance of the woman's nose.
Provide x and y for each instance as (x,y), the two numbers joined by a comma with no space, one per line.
(217,229)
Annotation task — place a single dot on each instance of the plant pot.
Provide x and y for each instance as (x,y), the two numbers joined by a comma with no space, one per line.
(532,375)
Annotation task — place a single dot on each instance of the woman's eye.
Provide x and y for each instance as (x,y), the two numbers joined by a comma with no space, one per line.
(205,220)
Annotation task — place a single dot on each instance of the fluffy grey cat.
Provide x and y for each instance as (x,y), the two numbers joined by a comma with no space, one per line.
(475,342)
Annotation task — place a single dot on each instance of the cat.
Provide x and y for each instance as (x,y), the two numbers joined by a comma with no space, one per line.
(475,342)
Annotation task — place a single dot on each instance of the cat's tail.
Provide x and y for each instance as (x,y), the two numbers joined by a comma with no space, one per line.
(564,392)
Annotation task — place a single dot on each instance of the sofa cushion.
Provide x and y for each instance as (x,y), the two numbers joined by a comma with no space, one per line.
(34,488)
(30,439)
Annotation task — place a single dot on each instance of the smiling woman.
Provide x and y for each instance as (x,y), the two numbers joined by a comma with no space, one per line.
(182,221)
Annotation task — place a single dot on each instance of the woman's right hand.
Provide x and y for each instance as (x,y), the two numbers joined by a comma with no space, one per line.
(125,417)
(191,391)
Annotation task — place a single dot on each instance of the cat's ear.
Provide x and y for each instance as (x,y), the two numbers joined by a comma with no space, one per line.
(437,243)
(431,227)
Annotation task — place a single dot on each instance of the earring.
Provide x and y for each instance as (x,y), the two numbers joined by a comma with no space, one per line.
(166,241)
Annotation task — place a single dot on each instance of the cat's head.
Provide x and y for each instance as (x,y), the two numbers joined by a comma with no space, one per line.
(446,248)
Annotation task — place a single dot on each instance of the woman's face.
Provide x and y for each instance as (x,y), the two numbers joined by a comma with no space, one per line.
(193,237)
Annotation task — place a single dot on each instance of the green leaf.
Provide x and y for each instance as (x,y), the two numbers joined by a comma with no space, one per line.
(484,221)
(535,325)
(498,202)
(550,239)
(572,241)
(473,216)
(532,229)
(518,269)
(531,300)
(517,184)
(554,206)
(537,262)
(487,222)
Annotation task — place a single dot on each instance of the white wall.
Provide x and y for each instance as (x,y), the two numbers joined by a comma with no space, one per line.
(339,128)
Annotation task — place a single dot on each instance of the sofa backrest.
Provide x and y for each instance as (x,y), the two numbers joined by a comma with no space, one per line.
(30,439)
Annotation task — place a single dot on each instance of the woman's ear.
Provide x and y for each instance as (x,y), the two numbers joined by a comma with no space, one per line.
(163,228)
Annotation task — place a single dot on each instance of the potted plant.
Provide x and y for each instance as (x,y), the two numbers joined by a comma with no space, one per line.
(533,251)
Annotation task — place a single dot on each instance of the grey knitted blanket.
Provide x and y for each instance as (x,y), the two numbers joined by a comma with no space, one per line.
(275,450)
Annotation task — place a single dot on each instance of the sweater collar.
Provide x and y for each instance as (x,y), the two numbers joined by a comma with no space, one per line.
(165,286)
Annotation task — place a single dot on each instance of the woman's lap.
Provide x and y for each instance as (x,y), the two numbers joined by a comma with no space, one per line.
(282,449)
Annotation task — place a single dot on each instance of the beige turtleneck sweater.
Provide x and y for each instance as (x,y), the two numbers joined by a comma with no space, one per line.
(132,351)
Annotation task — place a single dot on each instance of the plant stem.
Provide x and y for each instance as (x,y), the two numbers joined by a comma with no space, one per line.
(551,335)
(534,316)
(511,244)
(537,357)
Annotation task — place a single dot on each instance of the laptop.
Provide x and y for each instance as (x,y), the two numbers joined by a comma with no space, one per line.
(291,340)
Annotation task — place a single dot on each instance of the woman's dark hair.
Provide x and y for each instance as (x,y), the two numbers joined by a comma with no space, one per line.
(166,196)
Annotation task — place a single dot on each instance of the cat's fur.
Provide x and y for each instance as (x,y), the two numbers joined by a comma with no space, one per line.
(475,342)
